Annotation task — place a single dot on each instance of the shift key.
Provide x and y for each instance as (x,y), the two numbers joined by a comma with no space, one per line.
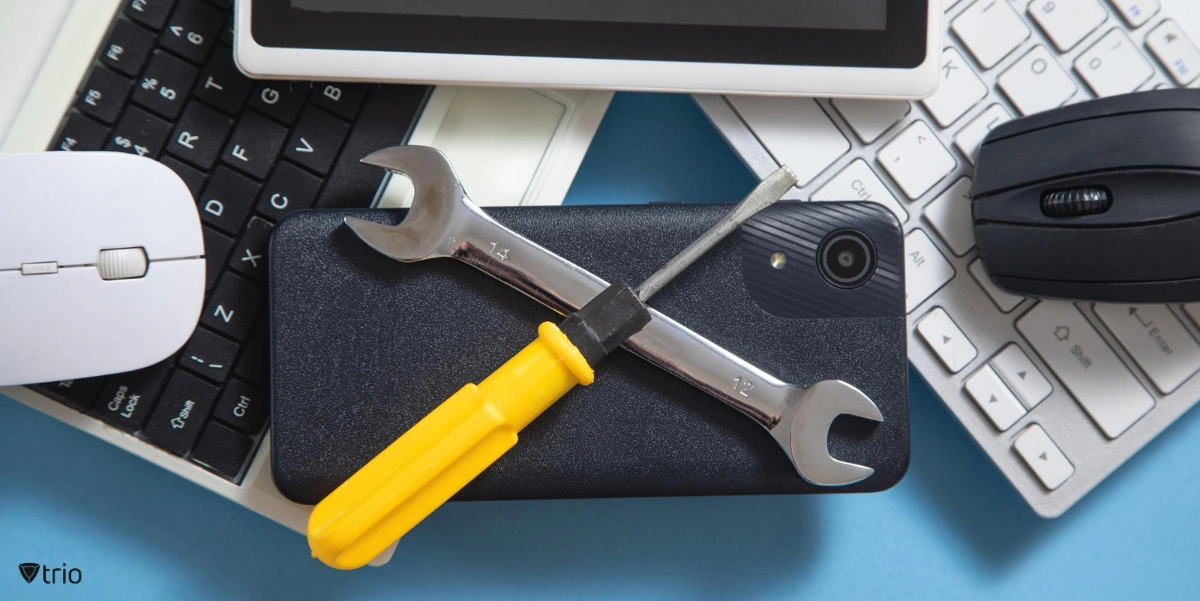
(181,413)
(1086,365)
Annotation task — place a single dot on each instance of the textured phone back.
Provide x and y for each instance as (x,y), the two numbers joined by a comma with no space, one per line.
(363,347)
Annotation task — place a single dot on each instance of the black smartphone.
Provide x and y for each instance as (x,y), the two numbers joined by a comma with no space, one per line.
(362,347)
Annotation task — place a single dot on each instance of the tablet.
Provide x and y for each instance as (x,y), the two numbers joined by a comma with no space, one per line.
(856,48)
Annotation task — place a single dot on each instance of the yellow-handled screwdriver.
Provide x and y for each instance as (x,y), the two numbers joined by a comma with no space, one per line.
(468,432)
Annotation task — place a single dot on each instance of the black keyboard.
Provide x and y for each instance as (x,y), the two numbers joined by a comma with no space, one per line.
(164,86)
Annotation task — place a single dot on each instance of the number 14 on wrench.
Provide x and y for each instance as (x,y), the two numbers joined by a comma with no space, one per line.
(444,223)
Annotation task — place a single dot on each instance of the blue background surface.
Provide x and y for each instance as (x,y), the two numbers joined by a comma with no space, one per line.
(952,529)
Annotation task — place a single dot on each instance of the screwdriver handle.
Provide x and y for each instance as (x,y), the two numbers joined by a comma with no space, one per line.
(443,452)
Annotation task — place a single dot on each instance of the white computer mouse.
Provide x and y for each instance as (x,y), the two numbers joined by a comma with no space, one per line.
(101,265)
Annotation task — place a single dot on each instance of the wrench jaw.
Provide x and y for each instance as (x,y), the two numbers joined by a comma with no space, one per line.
(804,432)
(394,241)
(438,205)
(432,175)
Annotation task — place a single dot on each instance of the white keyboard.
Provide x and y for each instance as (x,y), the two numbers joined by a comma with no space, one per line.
(1058,394)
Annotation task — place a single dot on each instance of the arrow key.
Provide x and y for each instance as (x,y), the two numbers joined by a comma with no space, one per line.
(316,140)
(1043,457)
(1022,376)
(994,398)
(945,339)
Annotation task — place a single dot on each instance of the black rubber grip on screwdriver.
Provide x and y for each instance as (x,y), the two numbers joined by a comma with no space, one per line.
(606,322)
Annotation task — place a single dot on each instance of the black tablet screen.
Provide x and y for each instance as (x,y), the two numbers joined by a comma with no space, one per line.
(860,33)
(810,14)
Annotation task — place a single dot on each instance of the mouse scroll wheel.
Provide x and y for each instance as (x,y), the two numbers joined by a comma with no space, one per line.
(122,263)
(1077,202)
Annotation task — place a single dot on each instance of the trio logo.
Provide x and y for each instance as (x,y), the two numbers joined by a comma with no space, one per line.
(29,571)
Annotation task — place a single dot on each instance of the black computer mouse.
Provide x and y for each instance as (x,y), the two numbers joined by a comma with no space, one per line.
(1095,201)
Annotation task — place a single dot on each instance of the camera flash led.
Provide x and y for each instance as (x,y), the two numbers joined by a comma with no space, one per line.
(778,260)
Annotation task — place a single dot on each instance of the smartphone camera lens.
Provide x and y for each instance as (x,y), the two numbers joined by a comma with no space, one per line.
(846,259)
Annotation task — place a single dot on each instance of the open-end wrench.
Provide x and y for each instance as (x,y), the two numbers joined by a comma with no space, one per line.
(444,223)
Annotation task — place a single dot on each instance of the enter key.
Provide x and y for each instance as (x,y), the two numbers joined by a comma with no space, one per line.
(1156,340)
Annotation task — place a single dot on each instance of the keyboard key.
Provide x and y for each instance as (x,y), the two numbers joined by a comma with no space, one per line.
(1085,364)
(127,399)
(950,216)
(233,306)
(80,393)
(971,137)
(140,133)
(242,406)
(192,30)
(1136,12)
(1005,300)
(209,355)
(1043,457)
(151,13)
(290,188)
(990,29)
(216,250)
(280,100)
(250,254)
(81,133)
(1176,51)
(104,95)
(315,141)
(796,130)
(222,450)
(1067,22)
(915,160)
(946,340)
(1113,65)
(165,84)
(925,271)
(1193,311)
(127,48)
(869,118)
(960,90)
(1022,376)
(382,122)
(199,135)
(994,398)
(262,326)
(181,413)
(343,99)
(227,199)
(221,84)
(254,145)
(253,366)
(1156,340)
(194,179)
(858,182)
(1036,83)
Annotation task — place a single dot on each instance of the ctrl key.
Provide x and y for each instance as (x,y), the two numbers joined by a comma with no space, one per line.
(181,412)
(1043,457)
